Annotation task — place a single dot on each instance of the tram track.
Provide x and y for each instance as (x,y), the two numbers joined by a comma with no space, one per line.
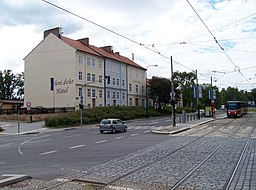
(117,180)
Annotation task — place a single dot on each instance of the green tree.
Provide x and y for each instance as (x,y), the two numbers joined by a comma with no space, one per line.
(159,91)
(183,84)
(11,86)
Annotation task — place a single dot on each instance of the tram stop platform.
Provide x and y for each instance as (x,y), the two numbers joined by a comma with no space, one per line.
(181,127)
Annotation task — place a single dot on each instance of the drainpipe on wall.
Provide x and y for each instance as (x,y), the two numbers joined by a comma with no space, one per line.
(104,74)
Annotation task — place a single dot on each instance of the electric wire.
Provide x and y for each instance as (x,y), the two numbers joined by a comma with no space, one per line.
(224,26)
(116,33)
(238,69)
(141,44)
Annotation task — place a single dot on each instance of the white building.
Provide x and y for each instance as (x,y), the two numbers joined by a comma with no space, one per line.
(73,64)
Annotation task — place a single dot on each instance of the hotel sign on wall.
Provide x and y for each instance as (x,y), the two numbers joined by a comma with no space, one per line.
(61,86)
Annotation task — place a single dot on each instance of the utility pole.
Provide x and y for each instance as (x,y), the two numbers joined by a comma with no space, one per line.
(172,96)
(81,107)
(197,97)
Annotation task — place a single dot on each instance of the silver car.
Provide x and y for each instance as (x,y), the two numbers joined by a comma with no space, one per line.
(112,125)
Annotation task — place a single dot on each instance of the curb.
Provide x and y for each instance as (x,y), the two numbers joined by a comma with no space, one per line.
(12,178)
(182,129)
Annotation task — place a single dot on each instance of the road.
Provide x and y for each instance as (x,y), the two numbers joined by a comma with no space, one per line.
(52,154)
(215,155)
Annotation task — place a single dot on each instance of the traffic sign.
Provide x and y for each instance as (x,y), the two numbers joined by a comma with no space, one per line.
(28,104)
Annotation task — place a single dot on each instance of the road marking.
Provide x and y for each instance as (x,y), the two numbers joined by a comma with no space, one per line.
(134,134)
(77,146)
(43,136)
(147,131)
(101,141)
(43,140)
(119,137)
(20,151)
(2,162)
(50,152)
(70,136)
(27,141)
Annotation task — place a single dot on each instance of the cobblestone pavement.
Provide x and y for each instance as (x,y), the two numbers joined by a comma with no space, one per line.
(161,166)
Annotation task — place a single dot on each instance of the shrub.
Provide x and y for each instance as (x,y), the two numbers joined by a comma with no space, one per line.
(95,115)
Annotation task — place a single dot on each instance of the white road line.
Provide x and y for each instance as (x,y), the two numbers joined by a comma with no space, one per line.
(101,141)
(77,146)
(50,152)
(119,137)
(134,134)
(43,136)
(147,131)
(43,140)
(70,136)
(20,151)
(2,162)
(27,141)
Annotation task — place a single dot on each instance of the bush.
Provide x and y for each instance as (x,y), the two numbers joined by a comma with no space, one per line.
(1,129)
(95,115)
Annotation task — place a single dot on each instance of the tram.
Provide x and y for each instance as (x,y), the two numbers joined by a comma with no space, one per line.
(236,108)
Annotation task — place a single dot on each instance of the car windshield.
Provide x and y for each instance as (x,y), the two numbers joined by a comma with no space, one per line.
(105,121)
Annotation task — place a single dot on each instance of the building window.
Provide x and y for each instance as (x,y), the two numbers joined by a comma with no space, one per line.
(108,94)
(123,95)
(80,92)
(114,95)
(143,103)
(80,75)
(100,78)
(100,64)
(88,76)
(88,61)
(142,89)
(93,62)
(80,59)
(93,93)
(117,95)
(100,93)
(123,83)
(114,81)
(88,92)
(130,101)
(93,78)
(130,87)
(117,82)
(137,88)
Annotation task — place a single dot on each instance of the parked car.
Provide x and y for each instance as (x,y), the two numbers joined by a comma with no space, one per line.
(112,125)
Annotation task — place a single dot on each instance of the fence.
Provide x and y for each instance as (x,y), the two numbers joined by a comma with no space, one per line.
(40,110)
(187,117)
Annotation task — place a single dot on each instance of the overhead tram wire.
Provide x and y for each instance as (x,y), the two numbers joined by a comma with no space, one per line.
(224,26)
(116,33)
(218,43)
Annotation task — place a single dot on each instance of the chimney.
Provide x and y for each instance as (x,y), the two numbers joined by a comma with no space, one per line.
(85,41)
(55,31)
(108,49)
(132,56)
(117,53)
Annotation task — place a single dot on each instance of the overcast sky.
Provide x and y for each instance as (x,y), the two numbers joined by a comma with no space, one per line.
(224,40)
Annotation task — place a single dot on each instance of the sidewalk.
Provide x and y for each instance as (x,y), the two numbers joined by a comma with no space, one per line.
(180,127)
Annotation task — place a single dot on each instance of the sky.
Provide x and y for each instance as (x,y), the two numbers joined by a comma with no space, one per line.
(202,35)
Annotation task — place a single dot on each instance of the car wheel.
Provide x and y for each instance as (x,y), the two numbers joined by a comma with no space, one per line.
(114,130)
(101,131)
(125,129)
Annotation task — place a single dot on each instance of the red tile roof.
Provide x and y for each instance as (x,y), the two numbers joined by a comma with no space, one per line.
(78,45)
(99,51)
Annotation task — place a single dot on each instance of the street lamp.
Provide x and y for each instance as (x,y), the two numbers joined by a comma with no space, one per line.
(147,90)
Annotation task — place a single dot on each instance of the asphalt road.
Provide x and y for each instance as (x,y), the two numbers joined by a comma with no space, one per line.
(49,155)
